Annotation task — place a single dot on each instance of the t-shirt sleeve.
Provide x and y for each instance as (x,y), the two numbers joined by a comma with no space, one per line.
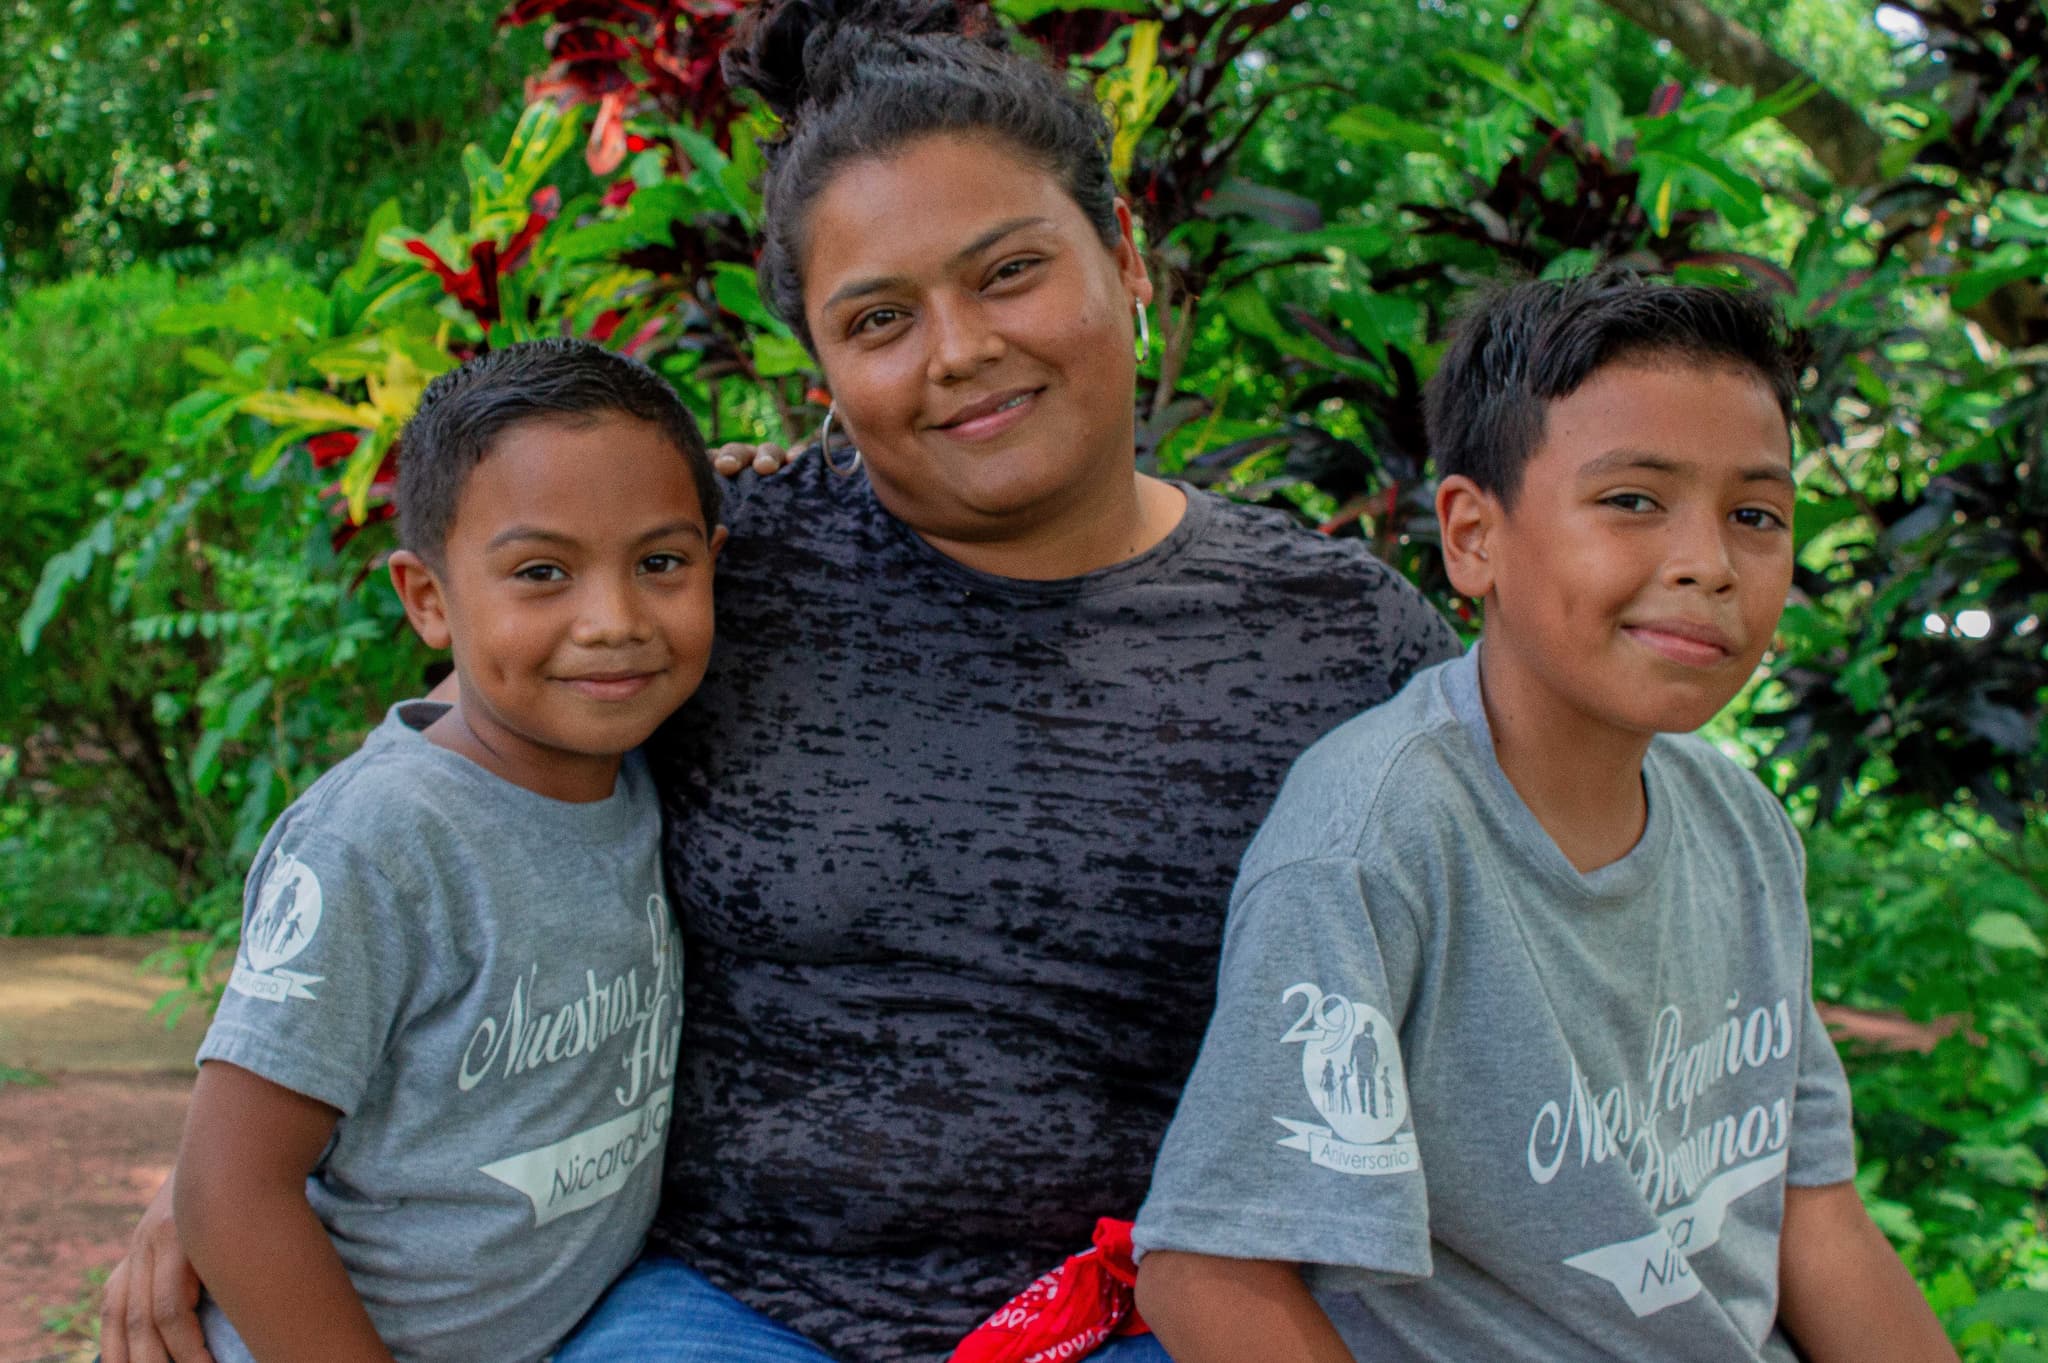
(326,967)
(1823,1146)
(1293,1140)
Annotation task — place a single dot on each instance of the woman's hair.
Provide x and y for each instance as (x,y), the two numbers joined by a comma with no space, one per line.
(853,79)
(1523,347)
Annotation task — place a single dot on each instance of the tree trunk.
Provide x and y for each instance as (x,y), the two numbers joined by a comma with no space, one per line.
(1845,145)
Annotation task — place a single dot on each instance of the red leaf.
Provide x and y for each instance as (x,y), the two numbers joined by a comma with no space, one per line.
(466,287)
(332,447)
(547,204)
(643,336)
(607,322)
(1666,99)
(483,266)
(621,191)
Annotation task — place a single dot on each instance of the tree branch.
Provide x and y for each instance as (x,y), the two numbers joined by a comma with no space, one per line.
(1845,145)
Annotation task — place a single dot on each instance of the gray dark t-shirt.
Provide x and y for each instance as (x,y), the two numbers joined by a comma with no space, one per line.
(1501,1108)
(484,982)
(951,853)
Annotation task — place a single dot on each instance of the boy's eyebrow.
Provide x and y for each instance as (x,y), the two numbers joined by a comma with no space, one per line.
(662,532)
(860,288)
(534,532)
(1616,461)
(528,532)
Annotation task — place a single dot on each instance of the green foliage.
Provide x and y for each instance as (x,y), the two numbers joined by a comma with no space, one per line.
(194,128)
(192,649)
(206,465)
(1940,917)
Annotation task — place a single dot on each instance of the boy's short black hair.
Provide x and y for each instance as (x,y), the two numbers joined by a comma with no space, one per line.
(463,412)
(1527,345)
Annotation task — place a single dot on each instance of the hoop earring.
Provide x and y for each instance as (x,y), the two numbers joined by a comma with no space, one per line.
(825,446)
(1144,333)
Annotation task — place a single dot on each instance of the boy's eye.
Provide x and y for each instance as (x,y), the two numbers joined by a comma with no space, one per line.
(1759,518)
(539,572)
(1630,501)
(663,563)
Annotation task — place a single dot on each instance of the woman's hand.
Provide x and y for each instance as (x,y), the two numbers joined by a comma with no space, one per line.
(151,1310)
(764,458)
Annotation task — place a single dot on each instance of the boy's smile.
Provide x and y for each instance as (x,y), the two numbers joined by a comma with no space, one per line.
(1639,576)
(575,592)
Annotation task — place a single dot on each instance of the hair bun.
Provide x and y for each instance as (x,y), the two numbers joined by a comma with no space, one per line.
(797,52)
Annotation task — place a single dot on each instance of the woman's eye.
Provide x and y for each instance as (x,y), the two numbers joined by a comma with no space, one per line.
(1759,518)
(663,563)
(875,320)
(540,572)
(1630,501)
(1011,269)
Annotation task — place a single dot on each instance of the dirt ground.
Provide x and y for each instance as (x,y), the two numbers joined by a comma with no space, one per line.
(92,1095)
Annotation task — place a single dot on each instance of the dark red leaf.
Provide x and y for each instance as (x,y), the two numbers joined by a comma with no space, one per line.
(332,447)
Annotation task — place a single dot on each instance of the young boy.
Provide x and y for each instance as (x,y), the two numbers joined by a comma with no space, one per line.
(430,1113)
(1522,979)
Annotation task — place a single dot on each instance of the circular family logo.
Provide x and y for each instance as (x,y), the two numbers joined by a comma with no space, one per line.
(1351,1065)
(287,914)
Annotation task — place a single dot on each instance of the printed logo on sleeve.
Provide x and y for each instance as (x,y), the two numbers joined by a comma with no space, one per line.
(1351,1067)
(286,917)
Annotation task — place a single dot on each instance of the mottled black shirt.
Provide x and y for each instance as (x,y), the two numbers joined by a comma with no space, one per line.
(951,853)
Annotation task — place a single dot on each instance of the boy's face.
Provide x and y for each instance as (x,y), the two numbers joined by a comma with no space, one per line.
(1640,575)
(575,592)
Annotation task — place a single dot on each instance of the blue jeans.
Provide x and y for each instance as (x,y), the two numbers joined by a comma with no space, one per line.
(663,1311)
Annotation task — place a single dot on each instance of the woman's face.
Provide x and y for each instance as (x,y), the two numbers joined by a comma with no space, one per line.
(976,336)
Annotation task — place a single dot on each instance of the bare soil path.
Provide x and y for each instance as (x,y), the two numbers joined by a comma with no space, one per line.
(92,1095)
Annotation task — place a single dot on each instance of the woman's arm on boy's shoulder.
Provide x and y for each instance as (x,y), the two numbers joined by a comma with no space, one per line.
(244,1220)
(1207,1309)
(1843,1295)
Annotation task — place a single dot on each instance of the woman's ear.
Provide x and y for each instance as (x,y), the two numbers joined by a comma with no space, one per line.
(1130,262)
(420,592)
(1467,516)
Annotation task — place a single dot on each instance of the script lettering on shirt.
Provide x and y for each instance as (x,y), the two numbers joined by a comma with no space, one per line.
(530,1035)
(1621,1121)
(584,1168)
(1689,1173)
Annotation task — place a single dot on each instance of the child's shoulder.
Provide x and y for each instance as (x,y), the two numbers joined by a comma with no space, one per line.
(1710,790)
(382,795)
(1361,788)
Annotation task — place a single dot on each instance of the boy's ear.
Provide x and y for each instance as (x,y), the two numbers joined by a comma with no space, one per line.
(419,591)
(1466,517)
(717,541)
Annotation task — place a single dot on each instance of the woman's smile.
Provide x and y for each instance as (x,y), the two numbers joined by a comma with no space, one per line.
(993,319)
(989,417)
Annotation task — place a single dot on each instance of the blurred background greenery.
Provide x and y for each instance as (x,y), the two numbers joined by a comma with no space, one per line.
(236,239)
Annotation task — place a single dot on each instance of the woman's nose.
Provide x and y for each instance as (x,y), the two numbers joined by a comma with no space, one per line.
(963,340)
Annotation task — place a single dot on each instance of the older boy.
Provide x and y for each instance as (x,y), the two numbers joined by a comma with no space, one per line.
(430,1113)
(1560,956)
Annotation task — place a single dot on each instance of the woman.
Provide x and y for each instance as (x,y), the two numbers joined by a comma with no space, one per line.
(954,818)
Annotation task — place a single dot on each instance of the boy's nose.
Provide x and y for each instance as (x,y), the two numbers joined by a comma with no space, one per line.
(610,615)
(1700,558)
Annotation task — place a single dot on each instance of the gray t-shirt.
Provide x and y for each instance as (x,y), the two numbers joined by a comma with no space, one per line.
(485,982)
(951,853)
(1504,1109)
